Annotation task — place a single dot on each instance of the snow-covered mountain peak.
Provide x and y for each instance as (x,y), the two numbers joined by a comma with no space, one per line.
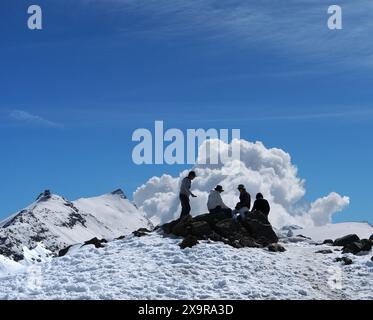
(57,222)
(119,192)
(44,196)
(47,196)
(45,202)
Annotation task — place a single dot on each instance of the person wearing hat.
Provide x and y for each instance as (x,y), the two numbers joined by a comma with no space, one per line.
(215,203)
(244,205)
(261,205)
(185,192)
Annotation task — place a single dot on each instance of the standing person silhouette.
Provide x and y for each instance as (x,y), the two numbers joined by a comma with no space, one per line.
(185,193)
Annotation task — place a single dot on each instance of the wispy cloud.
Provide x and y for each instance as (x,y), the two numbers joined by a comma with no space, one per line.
(33,119)
(365,114)
(296,27)
(326,115)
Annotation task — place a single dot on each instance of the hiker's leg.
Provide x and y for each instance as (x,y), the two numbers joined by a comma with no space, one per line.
(182,205)
(185,205)
(235,214)
(243,211)
(188,208)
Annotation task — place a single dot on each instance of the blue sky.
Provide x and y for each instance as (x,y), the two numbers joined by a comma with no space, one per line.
(72,94)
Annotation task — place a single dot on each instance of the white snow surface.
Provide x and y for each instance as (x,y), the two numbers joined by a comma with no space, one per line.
(57,223)
(154,267)
(114,212)
(9,267)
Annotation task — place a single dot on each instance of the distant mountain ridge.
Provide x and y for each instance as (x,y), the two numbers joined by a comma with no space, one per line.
(57,222)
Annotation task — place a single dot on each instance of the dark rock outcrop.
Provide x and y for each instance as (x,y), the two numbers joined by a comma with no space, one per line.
(254,231)
(141,232)
(304,237)
(371,238)
(183,227)
(328,241)
(346,261)
(119,192)
(96,242)
(341,242)
(358,246)
(258,225)
(229,228)
(189,242)
(44,196)
(74,218)
(276,247)
(201,229)
(354,247)
(367,245)
(63,251)
(327,251)
(6,250)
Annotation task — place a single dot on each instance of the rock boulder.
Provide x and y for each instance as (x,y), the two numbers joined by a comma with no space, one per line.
(189,242)
(253,231)
(341,242)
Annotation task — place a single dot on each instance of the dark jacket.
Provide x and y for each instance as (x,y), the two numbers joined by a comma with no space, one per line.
(245,201)
(262,205)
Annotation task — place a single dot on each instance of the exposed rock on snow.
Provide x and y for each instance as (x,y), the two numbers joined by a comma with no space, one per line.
(345,260)
(96,242)
(253,231)
(352,244)
(326,251)
(58,223)
(358,246)
(64,251)
(354,248)
(140,232)
(338,230)
(344,241)
(276,247)
(189,242)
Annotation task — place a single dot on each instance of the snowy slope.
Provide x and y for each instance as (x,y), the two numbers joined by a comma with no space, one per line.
(115,212)
(9,267)
(57,222)
(153,267)
(337,230)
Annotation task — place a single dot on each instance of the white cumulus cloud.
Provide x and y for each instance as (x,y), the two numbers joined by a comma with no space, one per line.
(269,171)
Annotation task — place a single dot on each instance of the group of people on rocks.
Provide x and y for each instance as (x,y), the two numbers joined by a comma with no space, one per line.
(215,203)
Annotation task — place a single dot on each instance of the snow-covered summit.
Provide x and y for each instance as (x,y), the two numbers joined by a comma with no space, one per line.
(57,222)
(120,193)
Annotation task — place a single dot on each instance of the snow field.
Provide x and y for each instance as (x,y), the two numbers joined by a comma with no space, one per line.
(154,267)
